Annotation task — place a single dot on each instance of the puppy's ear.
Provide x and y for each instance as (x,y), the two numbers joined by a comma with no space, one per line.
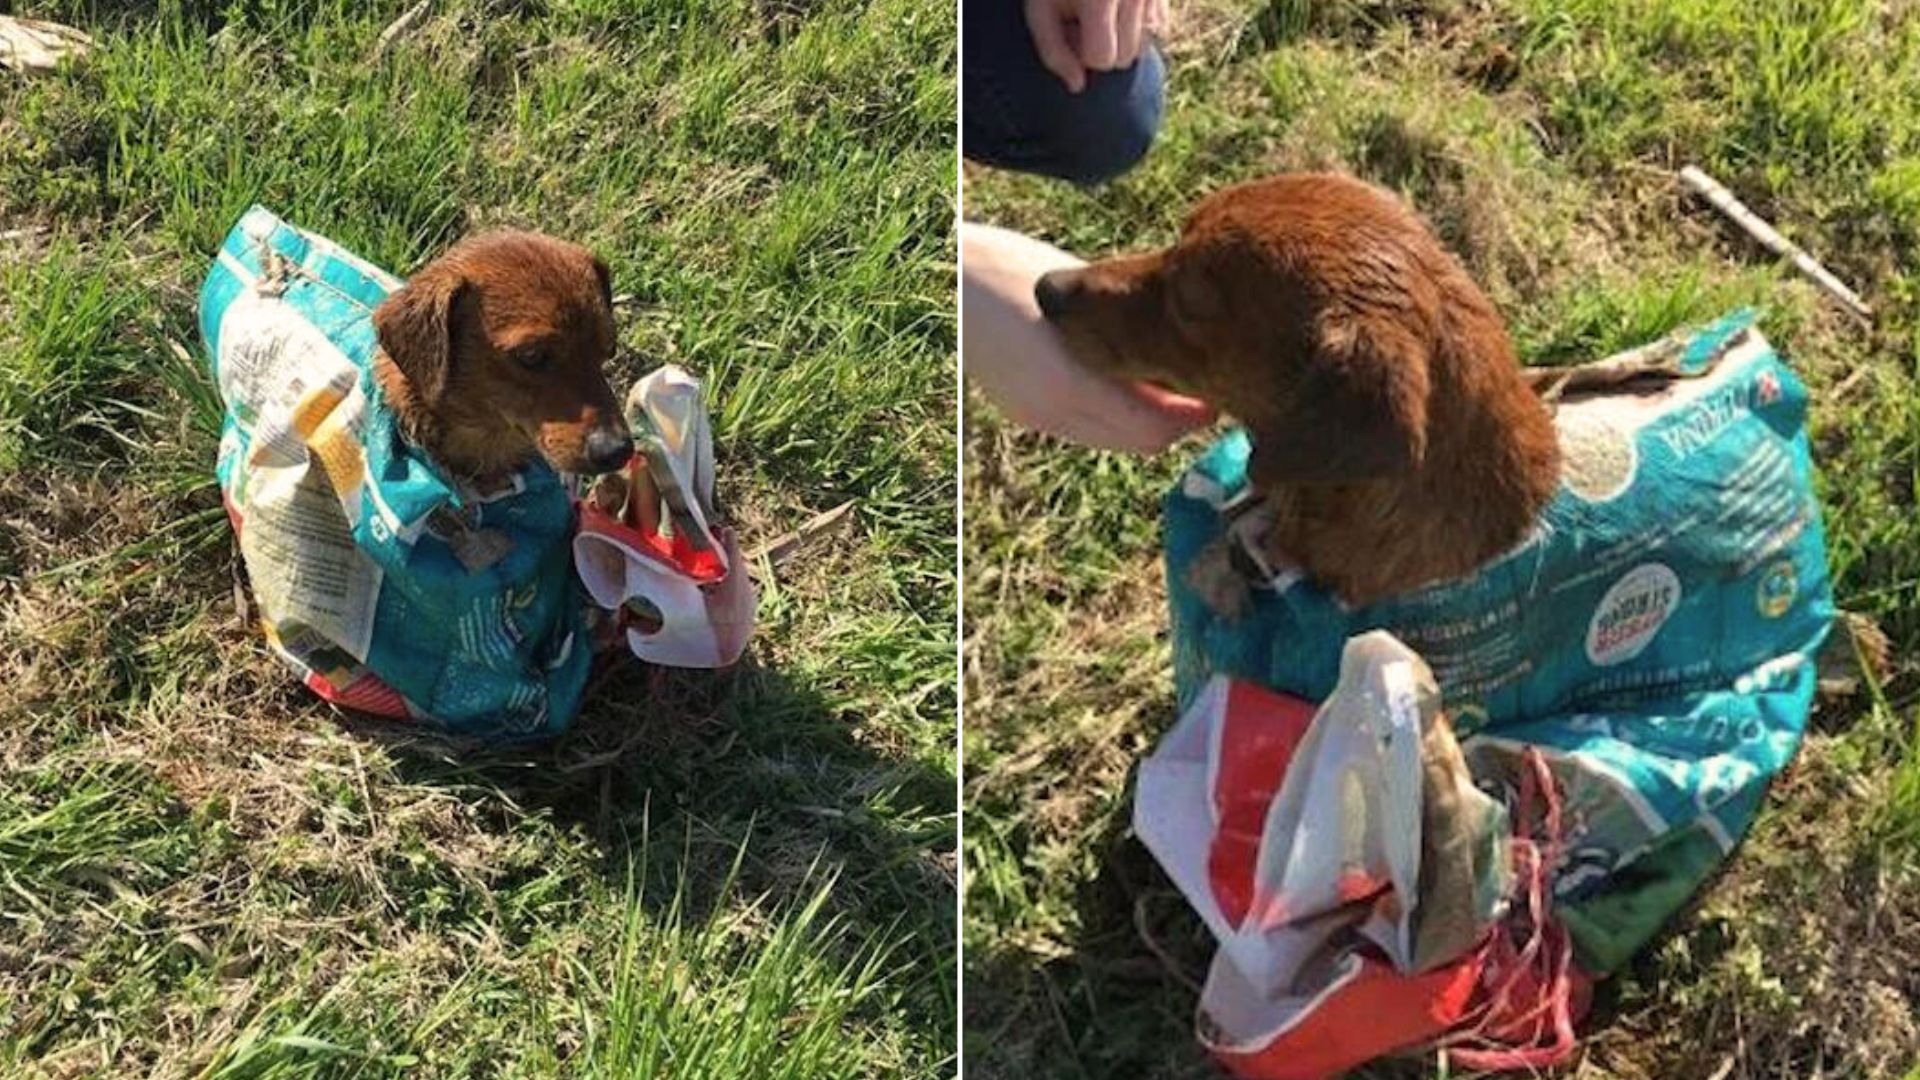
(1359,411)
(606,280)
(416,324)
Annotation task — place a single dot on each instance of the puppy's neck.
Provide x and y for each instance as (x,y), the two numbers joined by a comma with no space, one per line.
(464,442)
(1506,464)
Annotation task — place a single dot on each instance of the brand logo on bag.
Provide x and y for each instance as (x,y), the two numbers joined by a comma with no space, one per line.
(1715,413)
(1778,586)
(1631,613)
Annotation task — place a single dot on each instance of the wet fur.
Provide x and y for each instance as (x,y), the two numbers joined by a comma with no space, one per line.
(1391,428)
(496,352)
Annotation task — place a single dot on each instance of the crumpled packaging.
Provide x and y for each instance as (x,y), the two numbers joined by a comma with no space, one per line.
(389,587)
(656,554)
(1339,854)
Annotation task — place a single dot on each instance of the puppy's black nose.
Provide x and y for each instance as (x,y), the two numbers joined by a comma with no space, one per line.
(1055,290)
(608,448)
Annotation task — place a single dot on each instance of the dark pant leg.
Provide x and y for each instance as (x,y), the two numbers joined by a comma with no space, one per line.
(1015,114)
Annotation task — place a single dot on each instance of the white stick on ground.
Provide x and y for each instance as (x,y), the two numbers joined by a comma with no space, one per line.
(782,548)
(30,45)
(407,21)
(1724,201)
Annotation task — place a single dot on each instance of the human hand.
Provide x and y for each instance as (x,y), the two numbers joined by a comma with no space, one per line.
(1017,360)
(1074,37)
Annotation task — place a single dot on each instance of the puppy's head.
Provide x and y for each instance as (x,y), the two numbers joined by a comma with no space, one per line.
(1305,306)
(502,343)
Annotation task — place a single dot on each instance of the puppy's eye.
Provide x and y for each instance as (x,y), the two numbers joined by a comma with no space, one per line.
(531,357)
(1194,298)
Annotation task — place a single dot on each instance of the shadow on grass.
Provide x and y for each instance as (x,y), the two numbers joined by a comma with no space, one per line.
(672,774)
(1121,1002)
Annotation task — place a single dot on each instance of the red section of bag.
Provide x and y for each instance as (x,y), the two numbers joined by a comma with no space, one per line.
(1260,732)
(1376,1012)
(702,565)
(365,693)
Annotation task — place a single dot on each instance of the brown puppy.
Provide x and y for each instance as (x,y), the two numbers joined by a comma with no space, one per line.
(496,351)
(1392,431)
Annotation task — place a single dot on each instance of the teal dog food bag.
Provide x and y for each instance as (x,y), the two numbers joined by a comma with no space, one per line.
(1653,638)
(389,587)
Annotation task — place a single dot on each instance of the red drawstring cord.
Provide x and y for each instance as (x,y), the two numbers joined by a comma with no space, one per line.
(1529,954)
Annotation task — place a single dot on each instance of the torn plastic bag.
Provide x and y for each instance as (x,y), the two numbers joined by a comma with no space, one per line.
(1652,640)
(672,576)
(1350,870)
(389,587)
(1345,837)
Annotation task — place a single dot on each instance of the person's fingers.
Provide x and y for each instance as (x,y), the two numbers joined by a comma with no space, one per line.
(1178,407)
(1099,42)
(1018,361)
(1111,414)
(1158,20)
(1086,409)
(1119,416)
(1130,32)
(1047,24)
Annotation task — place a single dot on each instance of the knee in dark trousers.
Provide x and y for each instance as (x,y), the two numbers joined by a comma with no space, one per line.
(1018,115)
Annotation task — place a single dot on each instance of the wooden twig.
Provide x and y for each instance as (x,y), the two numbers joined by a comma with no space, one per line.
(1656,359)
(1846,386)
(783,547)
(1724,201)
(408,20)
(605,757)
(1160,952)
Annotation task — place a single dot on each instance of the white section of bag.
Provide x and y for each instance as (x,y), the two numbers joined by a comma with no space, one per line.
(676,408)
(1173,810)
(1353,784)
(699,627)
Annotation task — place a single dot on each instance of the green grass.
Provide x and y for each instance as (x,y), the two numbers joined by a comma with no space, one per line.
(206,872)
(1541,138)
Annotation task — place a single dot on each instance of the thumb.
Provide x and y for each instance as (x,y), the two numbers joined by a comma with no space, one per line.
(1177,408)
(1048,27)
(1143,420)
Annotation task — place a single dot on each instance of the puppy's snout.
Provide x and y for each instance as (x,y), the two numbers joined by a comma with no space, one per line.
(1056,290)
(608,448)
